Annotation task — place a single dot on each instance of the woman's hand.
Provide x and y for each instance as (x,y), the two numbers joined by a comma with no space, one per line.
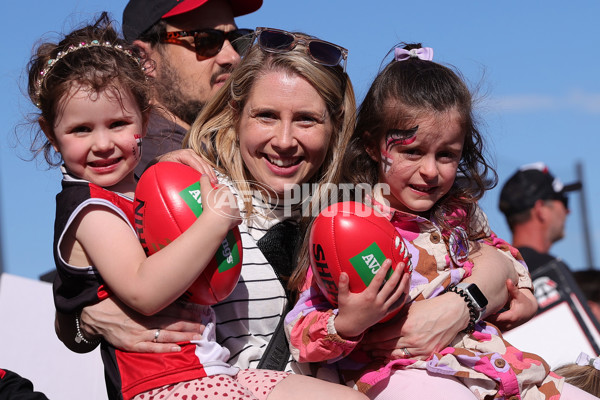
(522,306)
(130,331)
(422,328)
(359,311)
(190,158)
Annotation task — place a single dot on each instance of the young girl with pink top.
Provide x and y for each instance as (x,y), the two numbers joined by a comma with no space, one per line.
(416,136)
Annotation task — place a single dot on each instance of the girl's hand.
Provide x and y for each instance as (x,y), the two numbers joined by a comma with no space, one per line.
(423,328)
(190,158)
(522,306)
(127,330)
(359,311)
(220,202)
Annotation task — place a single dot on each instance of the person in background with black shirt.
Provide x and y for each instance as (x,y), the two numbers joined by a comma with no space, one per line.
(536,206)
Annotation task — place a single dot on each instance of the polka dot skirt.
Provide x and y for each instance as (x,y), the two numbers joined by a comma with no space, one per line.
(253,384)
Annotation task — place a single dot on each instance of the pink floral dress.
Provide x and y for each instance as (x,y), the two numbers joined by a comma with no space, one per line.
(482,360)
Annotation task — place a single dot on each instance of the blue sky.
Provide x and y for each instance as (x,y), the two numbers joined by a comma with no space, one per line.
(534,63)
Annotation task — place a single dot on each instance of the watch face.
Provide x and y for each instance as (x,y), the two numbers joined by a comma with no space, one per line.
(477,295)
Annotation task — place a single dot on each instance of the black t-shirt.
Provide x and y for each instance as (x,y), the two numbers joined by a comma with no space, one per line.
(535,259)
(15,387)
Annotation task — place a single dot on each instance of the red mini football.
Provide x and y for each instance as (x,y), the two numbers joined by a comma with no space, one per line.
(167,202)
(352,237)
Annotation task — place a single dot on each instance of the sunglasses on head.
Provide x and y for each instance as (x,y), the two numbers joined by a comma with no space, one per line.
(209,42)
(320,51)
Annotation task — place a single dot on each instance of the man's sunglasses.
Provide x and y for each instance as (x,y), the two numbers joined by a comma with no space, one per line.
(322,52)
(209,42)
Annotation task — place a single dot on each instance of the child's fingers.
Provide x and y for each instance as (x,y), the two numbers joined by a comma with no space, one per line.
(400,294)
(343,287)
(379,278)
(206,185)
(513,291)
(211,175)
(391,285)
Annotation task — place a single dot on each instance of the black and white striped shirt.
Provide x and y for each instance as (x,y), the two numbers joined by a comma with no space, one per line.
(247,319)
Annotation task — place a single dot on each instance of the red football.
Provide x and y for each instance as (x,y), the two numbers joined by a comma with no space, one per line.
(352,237)
(167,202)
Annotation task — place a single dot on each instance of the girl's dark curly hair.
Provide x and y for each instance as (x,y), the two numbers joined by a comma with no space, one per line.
(403,91)
(115,66)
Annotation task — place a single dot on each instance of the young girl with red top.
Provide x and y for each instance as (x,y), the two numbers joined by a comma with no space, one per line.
(94,99)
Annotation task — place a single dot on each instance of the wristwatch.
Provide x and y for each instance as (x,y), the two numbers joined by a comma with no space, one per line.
(476,296)
(475,299)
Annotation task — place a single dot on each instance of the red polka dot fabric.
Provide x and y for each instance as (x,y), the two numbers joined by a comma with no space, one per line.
(250,384)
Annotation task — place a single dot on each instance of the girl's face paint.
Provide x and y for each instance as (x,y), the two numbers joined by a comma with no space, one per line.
(137,150)
(393,138)
(420,169)
(401,137)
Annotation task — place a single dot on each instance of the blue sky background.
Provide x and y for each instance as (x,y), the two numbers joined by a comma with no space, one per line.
(535,64)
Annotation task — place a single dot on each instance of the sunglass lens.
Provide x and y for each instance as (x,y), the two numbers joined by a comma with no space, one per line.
(325,53)
(241,40)
(209,43)
(275,41)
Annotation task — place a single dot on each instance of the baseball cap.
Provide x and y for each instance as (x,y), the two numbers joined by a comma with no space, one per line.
(140,15)
(529,184)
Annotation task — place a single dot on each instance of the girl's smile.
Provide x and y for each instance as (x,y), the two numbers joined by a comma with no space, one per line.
(98,136)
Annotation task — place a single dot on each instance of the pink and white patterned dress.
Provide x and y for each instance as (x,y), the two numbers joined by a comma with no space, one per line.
(483,361)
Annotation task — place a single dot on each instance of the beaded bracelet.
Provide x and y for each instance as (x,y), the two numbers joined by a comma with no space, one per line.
(79,335)
(473,313)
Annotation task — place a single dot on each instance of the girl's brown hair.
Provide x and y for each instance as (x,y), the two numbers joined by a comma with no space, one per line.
(112,65)
(411,88)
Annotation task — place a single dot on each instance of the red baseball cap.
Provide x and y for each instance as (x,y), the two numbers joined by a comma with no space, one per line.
(140,15)
(239,7)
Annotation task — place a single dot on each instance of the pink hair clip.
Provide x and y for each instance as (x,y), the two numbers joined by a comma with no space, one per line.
(424,53)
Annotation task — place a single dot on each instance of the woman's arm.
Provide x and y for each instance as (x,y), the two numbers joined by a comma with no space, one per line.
(128,330)
(190,158)
(430,325)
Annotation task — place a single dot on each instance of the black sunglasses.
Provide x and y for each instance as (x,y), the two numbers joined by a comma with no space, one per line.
(209,42)
(320,51)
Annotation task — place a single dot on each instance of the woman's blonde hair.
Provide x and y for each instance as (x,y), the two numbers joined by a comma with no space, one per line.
(214,136)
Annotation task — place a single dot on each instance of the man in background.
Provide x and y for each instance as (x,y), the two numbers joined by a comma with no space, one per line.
(192,46)
(536,206)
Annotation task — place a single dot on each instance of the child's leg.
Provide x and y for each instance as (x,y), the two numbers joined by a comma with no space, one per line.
(571,392)
(210,387)
(260,382)
(418,384)
(300,387)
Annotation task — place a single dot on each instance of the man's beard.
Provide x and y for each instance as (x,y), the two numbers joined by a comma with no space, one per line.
(169,93)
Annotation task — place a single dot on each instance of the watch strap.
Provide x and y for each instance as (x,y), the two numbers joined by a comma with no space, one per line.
(473,311)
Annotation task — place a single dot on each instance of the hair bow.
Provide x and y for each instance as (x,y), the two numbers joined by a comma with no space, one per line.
(424,53)
(584,359)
